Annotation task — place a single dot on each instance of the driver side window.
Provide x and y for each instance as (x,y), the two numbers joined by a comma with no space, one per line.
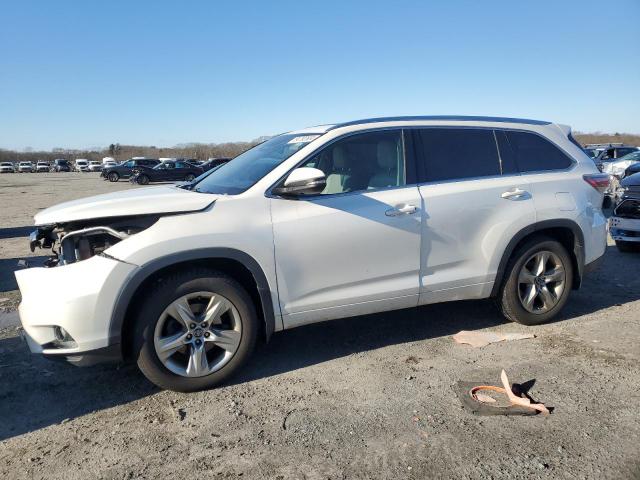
(366,161)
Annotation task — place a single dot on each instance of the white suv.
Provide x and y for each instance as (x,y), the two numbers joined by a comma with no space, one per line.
(317,224)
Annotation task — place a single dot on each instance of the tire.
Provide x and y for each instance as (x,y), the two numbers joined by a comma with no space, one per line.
(627,247)
(152,318)
(514,292)
(190,177)
(113,177)
(142,180)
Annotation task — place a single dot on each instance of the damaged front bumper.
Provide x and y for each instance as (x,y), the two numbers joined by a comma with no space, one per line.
(624,229)
(66,310)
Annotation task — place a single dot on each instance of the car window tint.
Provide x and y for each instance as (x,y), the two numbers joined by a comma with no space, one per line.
(180,165)
(624,151)
(456,153)
(366,161)
(534,153)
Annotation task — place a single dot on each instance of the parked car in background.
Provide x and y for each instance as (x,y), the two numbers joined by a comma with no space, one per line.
(312,225)
(125,169)
(619,167)
(42,166)
(169,171)
(25,167)
(7,167)
(632,169)
(81,165)
(607,152)
(109,162)
(61,165)
(214,162)
(624,224)
(95,166)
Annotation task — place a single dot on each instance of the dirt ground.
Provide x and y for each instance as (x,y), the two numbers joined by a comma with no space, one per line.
(367,397)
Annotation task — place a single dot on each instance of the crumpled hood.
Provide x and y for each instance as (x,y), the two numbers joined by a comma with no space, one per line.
(139,201)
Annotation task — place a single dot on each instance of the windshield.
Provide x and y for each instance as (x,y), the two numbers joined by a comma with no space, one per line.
(592,152)
(246,169)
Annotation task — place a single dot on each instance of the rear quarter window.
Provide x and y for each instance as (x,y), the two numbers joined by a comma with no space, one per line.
(533,153)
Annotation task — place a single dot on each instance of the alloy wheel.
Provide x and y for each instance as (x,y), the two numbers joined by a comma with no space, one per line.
(198,334)
(541,281)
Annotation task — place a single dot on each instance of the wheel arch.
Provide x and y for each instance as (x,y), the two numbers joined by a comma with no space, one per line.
(566,231)
(241,266)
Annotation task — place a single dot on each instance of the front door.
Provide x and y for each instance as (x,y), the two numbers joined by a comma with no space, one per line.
(355,248)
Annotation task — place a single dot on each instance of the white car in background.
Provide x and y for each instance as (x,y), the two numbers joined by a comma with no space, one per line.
(95,166)
(81,165)
(7,167)
(317,224)
(42,166)
(25,167)
(618,167)
(108,162)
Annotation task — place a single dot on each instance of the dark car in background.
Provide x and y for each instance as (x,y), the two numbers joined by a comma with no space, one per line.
(169,171)
(624,223)
(213,163)
(61,165)
(632,169)
(125,169)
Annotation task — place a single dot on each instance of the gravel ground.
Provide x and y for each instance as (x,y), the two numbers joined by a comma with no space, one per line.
(367,397)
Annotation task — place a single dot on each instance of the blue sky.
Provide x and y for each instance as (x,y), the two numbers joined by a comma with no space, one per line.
(82,74)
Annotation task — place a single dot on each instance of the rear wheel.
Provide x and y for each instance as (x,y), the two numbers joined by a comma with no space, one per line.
(190,177)
(142,180)
(114,177)
(195,330)
(539,279)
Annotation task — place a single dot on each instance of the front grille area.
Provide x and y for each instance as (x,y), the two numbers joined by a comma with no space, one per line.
(629,208)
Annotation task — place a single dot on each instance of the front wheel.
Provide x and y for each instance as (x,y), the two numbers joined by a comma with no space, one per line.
(539,279)
(190,177)
(113,177)
(194,330)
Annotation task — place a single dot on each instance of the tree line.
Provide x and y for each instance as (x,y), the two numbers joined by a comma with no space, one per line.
(203,151)
(199,151)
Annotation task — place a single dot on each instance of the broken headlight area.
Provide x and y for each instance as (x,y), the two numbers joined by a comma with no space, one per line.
(629,208)
(76,241)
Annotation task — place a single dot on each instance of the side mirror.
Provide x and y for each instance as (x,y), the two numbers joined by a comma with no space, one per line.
(302,181)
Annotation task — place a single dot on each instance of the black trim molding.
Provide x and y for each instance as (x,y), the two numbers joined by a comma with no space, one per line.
(145,271)
(578,248)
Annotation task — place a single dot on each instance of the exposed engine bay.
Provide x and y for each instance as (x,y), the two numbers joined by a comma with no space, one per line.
(76,241)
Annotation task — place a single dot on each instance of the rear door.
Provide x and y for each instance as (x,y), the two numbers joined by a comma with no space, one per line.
(473,204)
(546,168)
(355,248)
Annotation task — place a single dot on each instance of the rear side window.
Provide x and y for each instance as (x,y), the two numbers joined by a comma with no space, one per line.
(456,153)
(624,151)
(533,153)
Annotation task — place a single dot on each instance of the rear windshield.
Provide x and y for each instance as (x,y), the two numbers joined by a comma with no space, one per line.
(246,169)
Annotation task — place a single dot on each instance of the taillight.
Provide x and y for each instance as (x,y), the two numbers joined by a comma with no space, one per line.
(599,181)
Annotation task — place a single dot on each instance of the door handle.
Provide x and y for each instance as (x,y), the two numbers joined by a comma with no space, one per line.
(402,209)
(515,194)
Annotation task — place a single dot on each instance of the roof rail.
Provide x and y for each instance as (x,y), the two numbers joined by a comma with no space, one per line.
(593,145)
(456,118)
